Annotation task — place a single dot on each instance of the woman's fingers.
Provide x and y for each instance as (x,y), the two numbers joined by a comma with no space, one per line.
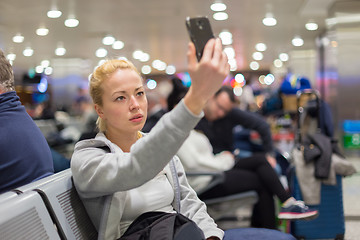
(208,50)
(217,50)
(191,56)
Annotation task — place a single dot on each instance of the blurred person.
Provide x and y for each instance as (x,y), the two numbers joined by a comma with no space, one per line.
(25,154)
(252,173)
(247,99)
(155,110)
(121,164)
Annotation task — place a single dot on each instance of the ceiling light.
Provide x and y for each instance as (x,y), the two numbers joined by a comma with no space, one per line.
(11,56)
(220,16)
(48,70)
(284,57)
(18,38)
(39,69)
(144,57)
(226,37)
(158,64)
(261,79)
(311,26)
(54,12)
(60,51)
(278,63)
(151,84)
(230,52)
(101,52)
(257,56)
(269,20)
(101,62)
(218,6)
(170,69)
(260,47)
(42,31)
(45,63)
(137,54)
(233,64)
(162,66)
(269,79)
(239,78)
(297,41)
(118,44)
(146,69)
(28,52)
(108,40)
(254,65)
(122,58)
(71,21)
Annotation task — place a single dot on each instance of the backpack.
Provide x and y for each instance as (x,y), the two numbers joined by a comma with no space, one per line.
(162,226)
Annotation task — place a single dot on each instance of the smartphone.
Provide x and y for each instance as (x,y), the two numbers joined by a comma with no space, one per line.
(200,33)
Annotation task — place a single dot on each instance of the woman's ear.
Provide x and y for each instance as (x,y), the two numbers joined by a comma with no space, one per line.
(99,111)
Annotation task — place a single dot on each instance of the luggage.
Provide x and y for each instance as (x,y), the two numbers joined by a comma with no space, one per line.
(330,222)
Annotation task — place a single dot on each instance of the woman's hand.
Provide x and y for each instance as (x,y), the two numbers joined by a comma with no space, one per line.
(206,75)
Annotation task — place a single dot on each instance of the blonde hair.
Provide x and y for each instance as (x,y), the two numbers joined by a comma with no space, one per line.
(6,74)
(102,73)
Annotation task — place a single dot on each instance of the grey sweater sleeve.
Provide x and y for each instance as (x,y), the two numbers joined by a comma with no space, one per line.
(98,171)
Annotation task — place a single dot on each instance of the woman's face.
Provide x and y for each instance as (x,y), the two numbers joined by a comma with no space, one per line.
(124,102)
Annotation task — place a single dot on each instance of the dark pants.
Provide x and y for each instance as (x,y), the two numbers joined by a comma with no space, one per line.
(253,173)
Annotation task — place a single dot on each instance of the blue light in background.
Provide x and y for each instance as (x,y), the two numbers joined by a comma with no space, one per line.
(43,85)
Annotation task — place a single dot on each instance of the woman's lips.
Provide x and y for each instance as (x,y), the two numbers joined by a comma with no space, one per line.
(137,118)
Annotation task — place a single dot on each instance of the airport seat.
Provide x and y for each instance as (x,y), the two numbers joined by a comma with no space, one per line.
(25,217)
(6,196)
(33,185)
(64,205)
(67,209)
(224,207)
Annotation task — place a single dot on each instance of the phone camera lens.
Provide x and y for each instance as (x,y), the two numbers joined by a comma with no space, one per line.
(200,24)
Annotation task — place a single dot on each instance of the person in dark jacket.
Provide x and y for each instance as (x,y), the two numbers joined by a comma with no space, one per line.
(25,155)
(251,173)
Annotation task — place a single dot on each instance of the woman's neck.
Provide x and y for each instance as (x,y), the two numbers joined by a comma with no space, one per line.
(123,140)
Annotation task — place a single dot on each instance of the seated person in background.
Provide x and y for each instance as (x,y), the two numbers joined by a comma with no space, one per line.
(155,110)
(24,153)
(252,173)
(121,173)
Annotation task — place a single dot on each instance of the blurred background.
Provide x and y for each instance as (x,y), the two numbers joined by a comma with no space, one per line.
(275,47)
(61,41)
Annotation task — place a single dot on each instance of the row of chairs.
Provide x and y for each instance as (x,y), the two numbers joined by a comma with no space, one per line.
(49,208)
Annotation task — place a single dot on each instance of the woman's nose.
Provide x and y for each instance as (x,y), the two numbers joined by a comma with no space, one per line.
(134,104)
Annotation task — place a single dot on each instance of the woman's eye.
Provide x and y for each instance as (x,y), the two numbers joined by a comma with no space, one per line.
(140,93)
(120,98)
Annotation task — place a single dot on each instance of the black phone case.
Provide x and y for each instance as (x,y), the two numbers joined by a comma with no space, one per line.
(200,33)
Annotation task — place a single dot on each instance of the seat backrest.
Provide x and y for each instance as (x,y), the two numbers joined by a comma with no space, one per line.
(6,196)
(33,185)
(25,217)
(66,208)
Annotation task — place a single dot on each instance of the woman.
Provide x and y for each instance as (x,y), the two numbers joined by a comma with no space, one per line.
(121,174)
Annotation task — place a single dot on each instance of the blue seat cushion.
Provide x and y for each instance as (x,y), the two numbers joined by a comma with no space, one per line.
(256,233)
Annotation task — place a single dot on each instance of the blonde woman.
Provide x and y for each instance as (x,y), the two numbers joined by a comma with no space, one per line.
(121,174)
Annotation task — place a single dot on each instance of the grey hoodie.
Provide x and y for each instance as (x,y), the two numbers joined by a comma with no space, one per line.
(103,173)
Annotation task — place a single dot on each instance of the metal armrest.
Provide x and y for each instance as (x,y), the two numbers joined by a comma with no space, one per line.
(217,177)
